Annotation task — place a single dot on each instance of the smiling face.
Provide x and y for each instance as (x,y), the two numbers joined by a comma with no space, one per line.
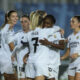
(13,18)
(74,23)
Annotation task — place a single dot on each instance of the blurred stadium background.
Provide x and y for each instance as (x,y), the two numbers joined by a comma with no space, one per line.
(63,10)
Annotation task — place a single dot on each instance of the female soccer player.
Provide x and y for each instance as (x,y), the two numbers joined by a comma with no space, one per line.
(53,41)
(25,22)
(38,61)
(7,33)
(73,50)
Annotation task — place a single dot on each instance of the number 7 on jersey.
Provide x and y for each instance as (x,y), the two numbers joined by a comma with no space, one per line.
(36,43)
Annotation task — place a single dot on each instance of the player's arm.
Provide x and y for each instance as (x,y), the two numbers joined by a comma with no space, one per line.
(61,31)
(61,45)
(25,57)
(75,55)
(11,46)
(66,54)
(10,41)
(48,43)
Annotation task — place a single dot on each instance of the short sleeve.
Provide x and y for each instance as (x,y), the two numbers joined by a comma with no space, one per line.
(59,36)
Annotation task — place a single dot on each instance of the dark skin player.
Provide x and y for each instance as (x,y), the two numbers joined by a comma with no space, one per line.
(48,22)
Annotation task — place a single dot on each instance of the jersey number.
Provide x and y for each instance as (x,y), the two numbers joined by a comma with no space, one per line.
(36,43)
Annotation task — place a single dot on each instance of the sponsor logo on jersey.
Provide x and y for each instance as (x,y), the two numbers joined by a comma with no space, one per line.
(54,36)
(73,44)
(77,37)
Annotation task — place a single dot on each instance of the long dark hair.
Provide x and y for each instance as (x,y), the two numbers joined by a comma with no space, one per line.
(7,15)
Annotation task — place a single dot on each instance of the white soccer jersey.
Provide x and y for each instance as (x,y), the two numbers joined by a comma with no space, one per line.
(54,54)
(74,43)
(22,51)
(0,39)
(56,27)
(0,49)
(6,63)
(7,36)
(40,60)
(54,37)
(35,47)
(38,51)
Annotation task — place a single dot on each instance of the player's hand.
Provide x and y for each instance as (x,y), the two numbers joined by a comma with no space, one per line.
(25,59)
(12,58)
(66,41)
(62,31)
(44,42)
(62,58)
(74,56)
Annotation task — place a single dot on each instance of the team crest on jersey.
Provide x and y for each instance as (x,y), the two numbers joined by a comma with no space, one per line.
(54,36)
(77,37)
